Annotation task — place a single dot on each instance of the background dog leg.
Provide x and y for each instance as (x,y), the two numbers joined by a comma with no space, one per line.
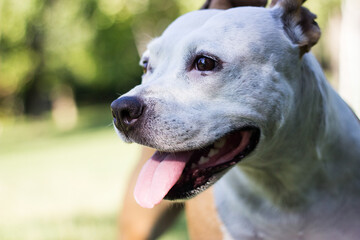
(202,218)
(140,223)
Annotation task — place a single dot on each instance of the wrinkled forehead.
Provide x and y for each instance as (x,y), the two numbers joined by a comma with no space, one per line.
(180,28)
(236,23)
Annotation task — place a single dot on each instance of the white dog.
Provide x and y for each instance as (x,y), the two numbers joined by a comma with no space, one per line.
(233,97)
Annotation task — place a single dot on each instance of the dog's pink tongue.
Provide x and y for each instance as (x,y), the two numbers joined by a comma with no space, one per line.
(158,176)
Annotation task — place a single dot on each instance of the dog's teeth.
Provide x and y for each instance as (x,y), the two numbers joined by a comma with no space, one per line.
(213,152)
(203,160)
(220,143)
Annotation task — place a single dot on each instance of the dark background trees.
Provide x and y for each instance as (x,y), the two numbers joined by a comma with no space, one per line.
(87,47)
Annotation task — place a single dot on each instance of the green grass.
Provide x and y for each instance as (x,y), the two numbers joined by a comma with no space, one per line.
(64,185)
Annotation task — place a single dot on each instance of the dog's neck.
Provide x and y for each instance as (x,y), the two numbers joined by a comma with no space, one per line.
(306,174)
(311,152)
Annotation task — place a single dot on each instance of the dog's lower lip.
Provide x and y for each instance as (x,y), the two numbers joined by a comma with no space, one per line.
(198,177)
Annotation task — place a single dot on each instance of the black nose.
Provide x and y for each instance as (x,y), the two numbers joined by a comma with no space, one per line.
(126,111)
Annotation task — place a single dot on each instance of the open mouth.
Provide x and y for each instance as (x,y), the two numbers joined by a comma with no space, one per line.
(181,175)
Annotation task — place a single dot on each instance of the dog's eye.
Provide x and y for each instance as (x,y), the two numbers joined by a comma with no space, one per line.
(204,64)
(145,64)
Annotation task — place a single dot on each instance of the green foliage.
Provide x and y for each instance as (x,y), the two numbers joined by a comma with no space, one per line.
(87,45)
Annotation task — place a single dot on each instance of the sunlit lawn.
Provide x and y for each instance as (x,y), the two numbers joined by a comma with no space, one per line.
(64,185)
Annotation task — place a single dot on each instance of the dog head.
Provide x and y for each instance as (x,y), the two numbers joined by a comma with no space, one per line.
(215,84)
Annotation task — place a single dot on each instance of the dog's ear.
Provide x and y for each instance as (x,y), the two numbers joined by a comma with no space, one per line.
(299,23)
(226,4)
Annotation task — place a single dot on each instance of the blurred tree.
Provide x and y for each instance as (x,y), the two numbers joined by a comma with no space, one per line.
(88,45)
(19,45)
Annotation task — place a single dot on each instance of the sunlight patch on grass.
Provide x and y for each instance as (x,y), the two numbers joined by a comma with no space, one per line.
(85,172)
(83,226)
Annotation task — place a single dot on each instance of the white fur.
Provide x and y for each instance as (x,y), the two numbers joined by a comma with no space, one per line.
(303,179)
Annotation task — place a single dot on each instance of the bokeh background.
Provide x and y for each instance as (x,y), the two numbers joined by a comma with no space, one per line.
(63,170)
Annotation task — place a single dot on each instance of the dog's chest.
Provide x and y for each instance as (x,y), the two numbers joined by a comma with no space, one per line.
(241,220)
